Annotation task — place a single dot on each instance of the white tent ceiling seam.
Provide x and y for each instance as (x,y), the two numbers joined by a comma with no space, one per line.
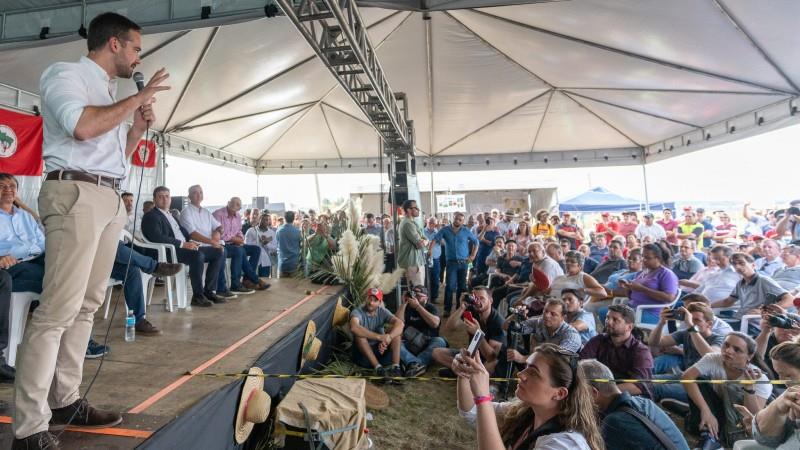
(484,81)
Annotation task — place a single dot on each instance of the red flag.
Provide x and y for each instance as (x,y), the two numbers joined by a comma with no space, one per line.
(20,143)
(145,154)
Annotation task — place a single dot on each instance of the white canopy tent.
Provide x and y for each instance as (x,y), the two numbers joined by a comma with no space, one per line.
(532,84)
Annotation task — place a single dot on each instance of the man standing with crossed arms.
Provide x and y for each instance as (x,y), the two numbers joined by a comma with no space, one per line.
(86,147)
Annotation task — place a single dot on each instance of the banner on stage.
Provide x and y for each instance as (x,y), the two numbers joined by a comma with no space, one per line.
(20,143)
(451,203)
(145,154)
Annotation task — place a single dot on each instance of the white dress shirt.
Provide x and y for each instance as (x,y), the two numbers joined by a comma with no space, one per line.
(253,237)
(66,89)
(719,285)
(199,219)
(176,229)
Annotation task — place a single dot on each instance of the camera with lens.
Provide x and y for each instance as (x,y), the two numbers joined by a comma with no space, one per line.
(794,210)
(781,321)
(676,314)
(472,303)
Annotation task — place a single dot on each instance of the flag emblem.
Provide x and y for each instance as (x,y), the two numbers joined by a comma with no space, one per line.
(8,142)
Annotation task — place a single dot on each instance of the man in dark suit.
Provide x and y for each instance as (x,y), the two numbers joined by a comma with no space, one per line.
(159,226)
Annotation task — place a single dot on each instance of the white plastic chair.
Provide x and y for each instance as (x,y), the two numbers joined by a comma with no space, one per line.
(18,317)
(746,319)
(109,291)
(641,308)
(180,292)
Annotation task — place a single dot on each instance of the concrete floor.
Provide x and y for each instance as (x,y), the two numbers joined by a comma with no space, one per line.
(134,371)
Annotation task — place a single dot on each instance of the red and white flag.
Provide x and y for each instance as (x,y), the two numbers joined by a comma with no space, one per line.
(20,143)
(145,154)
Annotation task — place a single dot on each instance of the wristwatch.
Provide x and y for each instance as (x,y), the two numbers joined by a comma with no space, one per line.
(693,329)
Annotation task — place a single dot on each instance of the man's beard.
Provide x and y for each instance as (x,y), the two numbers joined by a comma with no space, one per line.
(123,70)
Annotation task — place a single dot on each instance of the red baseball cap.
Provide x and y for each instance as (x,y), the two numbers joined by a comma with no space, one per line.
(375,292)
(606,214)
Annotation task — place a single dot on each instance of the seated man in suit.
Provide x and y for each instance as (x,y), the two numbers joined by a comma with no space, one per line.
(159,226)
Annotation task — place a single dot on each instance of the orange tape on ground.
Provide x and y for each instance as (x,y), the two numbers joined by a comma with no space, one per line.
(183,379)
(122,432)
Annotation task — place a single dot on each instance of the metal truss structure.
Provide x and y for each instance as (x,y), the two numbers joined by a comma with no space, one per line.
(346,50)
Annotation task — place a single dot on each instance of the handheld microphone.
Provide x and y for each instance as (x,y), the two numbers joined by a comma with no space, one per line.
(138,78)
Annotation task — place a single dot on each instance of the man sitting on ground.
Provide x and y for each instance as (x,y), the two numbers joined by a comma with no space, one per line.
(550,328)
(206,230)
(373,346)
(789,276)
(244,257)
(420,317)
(617,348)
(620,428)
(484,318)
(160,226)
(686,265)
(579,318)
(614,262)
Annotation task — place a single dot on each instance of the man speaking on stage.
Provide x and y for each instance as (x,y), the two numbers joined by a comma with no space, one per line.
(86,146)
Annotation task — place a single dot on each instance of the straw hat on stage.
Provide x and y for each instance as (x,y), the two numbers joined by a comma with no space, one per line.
(311,345)
(254,405)
(340,314)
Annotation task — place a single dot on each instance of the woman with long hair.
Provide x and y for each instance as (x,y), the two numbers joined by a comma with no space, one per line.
(523,238)
(553,408)
(711,406)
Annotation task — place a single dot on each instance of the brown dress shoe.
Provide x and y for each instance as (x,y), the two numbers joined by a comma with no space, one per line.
(83,415)
(42,440)
(263,285)
(167,269)
(145,328)
(249,284)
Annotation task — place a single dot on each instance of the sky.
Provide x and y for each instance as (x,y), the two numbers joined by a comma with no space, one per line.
(761,169)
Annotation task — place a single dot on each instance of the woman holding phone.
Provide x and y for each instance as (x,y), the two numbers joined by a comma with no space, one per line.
(553,408)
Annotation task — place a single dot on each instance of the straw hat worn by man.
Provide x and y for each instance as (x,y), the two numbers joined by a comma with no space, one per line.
(86,146)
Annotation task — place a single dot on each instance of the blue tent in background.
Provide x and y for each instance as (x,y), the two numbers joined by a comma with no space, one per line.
(599,199)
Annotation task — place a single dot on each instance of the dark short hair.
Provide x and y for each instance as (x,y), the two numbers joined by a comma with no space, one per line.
(575,292)
(370,216)
(724,249)
(625,311)
(743,256)
(289,216)
(126,194)
(407,204)
(696,298)
(107,25)
(159,190)
(557,301)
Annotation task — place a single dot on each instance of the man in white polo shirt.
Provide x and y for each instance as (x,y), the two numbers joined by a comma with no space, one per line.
(86,146)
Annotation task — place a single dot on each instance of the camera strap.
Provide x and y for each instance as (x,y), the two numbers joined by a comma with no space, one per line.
(658,432)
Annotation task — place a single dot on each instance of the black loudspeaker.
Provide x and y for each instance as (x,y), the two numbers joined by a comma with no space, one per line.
(179,202)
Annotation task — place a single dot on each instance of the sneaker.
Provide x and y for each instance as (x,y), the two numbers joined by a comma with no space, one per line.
(214,297)
(677,407)
(42,440)
(199,300)
(228,295)
(708,442)
(167,269)
(145,328)
(247,284)
(380,371)
(446,372)
(96,350)
(396,372)
(242,290)
(81,414)
(415,370)
(7,373)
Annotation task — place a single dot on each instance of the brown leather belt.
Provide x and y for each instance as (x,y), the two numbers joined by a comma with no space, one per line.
(76,175)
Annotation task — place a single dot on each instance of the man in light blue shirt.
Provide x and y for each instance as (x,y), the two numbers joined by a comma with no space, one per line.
(457,239)
(435,252)
(21,241)
(288,237)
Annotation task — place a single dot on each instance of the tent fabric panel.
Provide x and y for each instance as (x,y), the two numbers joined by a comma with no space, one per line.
(309,138)
(600,199)
(667,31)
(403,58)
(565,63)
(569,126)
(518,130)
(341,100)
(354,139)
(224,133)
(774,28)
(696,107)
(473,84)
(241,56)
(255,145)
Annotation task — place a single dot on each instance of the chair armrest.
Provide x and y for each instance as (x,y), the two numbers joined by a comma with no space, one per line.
(160,248)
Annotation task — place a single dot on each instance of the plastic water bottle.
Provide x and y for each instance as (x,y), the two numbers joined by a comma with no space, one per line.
(130,327)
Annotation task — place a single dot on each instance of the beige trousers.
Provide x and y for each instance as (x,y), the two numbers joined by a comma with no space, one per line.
(416,275)
(82,224)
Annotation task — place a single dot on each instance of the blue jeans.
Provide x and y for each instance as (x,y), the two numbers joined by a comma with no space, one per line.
(433,280)
(132,280)
(456,281)
(406,357)
(426,356)
(674,390)
(244,258)
(663,364)
(264,271)
(27,276)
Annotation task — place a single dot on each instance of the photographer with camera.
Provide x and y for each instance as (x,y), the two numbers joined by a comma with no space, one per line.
(550,328)
(777,327)
(789,222)
(421,331)
(475,313)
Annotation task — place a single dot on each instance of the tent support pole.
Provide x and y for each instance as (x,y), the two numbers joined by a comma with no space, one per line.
(319,197)
(433,194)
(646,194)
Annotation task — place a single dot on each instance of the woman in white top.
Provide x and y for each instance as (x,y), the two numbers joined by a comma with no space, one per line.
(263,235)
(553,409)
(576,278)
